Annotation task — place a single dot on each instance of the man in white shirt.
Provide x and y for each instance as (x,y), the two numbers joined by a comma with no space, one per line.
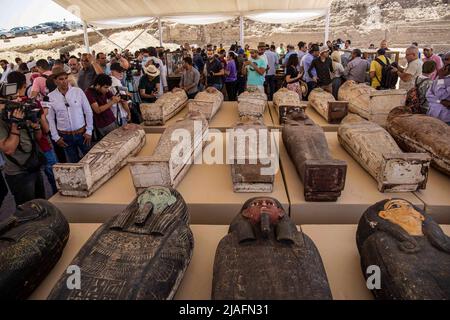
(409,74)
(70,118)
(121,110)
(7,69)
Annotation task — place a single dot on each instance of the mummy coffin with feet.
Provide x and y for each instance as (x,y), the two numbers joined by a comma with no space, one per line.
(176,151)
(207,102)
(252,104)
(378,153)
(101,163)
(167,106)
(285,102)
(373,105)
(326,105)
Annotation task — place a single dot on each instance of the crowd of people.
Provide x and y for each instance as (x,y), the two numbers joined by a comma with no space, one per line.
(84,97)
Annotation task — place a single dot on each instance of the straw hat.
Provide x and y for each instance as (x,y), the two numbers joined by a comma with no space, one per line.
(151,71)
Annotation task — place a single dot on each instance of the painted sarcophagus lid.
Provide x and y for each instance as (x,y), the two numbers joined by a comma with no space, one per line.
(252,168)
(421,133)
(207,102)
(31,243)
(252,104)
(371,104)
(286,101)
(167,106)
(404,252)
(265,257)
(101,163)
(326,105)
(141,254)
(323,176)
(378,153)
(176,151)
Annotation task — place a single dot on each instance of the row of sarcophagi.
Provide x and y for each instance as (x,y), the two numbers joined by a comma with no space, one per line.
(144,253)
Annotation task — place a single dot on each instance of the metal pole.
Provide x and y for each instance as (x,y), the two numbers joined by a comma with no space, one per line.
(327,26)
(106,38)
(241,31)
(160,32)
(86,37)
(145,30)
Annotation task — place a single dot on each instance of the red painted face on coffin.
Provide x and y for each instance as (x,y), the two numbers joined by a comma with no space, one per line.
(263,205)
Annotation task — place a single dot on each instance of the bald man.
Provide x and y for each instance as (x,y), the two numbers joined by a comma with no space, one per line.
(409,74)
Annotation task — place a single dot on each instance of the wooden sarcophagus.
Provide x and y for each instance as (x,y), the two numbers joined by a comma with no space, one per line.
(166,107)
(101,163)
(207,102)
(176,151)
(253,162)
(141,254)
(323,176)
(31,243)
(378,153)
(285,102)
(326,105)
(252,104)
(371,104)
(421,133)
(404,252)
(265,257)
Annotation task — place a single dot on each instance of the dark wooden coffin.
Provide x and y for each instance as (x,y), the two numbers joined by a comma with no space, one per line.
(411,250)
(141,254)
(323,177)
(265,257)
(421,133)
(31,243)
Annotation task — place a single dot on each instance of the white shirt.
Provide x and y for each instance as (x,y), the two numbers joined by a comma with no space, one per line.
(70,118)
(116,83)
(8,70)
(415,69)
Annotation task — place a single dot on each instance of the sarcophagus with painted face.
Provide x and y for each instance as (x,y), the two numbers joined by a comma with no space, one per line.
(285,102)
(176,151)
(421,133)
(254,157)
(265,257)
(166,107)
(404,252)
(371,104)
(252,104)
(378,153)
(101,163)
(326,105)
(207,102)
(31,243)
(323,176)
(141,254)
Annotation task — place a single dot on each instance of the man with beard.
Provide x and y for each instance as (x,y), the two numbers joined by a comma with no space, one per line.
(214,71)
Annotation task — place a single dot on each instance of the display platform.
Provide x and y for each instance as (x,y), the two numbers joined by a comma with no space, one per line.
(360,191)
(226,117)
(207,190)
(437,196)
(336,244)
(311,113)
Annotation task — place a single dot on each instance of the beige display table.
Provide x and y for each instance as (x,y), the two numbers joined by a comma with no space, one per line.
(207,190)
(336,244)
(360,192)
(437,196)
(311,113)
(226,117)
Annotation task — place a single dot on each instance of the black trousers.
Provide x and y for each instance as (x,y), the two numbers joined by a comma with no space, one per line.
(231,90)
(3,188)
(26,187)
(271,82)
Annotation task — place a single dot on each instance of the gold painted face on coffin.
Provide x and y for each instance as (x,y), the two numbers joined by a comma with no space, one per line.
(403,214)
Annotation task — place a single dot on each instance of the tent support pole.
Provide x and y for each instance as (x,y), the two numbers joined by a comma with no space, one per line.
(327,26)
(160,32)
(140,33)
(241,31)
(106,38)
(86,37)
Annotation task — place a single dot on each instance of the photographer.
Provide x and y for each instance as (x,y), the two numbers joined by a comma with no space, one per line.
(19,136)
(121,110)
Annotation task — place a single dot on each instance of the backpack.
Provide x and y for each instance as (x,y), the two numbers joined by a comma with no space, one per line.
(389,78)
(413,98)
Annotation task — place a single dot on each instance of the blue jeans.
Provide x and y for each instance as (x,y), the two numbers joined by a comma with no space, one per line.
(76,149)
(51,160)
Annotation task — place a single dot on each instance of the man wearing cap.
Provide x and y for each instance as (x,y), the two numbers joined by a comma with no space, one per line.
(430,56)
(255,68)
(357,68)
(324,67)
(121,110)
(306,64)
(70,118)
(149,85)
(438,95)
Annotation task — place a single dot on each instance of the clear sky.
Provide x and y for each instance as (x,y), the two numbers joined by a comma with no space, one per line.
(15,13)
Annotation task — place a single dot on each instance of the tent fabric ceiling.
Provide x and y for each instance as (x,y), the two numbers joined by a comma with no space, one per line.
(189,10)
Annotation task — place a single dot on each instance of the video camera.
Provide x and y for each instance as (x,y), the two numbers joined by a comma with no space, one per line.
(30,109)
